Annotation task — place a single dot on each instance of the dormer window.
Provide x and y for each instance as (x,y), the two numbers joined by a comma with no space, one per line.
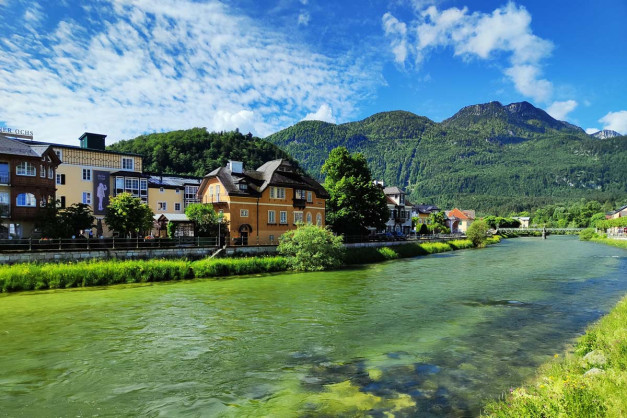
(243,186)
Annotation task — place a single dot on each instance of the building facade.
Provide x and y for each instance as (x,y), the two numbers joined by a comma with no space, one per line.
(400,211)
(260,205)
(459,220)
(172,194)
(90,174)
(27,184)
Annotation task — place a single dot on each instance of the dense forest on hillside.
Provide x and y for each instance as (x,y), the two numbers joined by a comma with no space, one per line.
(493,158)
(196,152)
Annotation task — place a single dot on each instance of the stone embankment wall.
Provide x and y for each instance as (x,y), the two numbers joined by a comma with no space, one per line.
(122,254)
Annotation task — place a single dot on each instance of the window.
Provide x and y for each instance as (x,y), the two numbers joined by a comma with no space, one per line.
(319,220)
(59,154)
(283,217)
(243,213)
(26,199)
(271,237)
(277,192)
(143,187)
(4,173)
(25,169)
(87,174)
(119,185)
(62,199)
(50,173)
(42,171)
(178,191)
(5,199)
(162,206)
(271,217)
(309,219)
(243,186)
(309,197)
(128,164)
(160,189)
(299,194)
(298,217)
(190,192)
(177,206)
(87,198)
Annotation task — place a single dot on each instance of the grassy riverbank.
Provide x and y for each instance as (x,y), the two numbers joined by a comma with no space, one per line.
(620,243)
(590,382)
(20,277)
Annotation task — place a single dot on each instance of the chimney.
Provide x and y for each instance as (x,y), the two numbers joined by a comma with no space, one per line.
(92,141)
(236,167)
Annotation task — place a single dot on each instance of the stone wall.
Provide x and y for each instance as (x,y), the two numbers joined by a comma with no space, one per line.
(122,254)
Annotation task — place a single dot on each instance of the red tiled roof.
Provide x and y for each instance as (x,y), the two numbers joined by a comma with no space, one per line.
(458,214)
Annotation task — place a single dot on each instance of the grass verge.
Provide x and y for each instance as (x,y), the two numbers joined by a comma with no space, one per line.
(32,276)
(590,382)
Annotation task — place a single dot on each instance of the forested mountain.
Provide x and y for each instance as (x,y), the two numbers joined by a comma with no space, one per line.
(196,152)
(487,157)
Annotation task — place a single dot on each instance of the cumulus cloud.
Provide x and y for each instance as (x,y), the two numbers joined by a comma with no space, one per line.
(397,32)
(560,110)
(615,121)
(324,113)
(153,65)
(506,31)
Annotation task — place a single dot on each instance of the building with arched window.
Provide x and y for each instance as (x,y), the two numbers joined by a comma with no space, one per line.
(27,184)
(260,205)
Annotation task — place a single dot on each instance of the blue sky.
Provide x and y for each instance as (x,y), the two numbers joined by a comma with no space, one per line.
(127,67)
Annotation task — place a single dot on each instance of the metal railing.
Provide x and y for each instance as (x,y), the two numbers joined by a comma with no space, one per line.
(389,237)
(33,244)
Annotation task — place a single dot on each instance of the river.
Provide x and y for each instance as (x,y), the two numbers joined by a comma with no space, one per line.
(429,336)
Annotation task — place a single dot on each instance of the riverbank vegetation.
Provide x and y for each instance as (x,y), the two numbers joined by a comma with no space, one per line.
(32,276)
(591,382)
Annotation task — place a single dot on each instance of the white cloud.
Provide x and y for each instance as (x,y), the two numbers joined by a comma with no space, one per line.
(324,113)
(615,121)
(397,32)
(486,36)
(153,65)
(591,131)
(303,18)
(559,110)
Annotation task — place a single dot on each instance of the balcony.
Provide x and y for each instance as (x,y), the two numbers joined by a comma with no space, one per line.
(300,203)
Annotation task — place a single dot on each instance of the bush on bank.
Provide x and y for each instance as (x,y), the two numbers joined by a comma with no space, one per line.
(591,382)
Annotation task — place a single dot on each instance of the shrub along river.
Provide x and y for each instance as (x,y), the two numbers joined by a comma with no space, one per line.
(430,336)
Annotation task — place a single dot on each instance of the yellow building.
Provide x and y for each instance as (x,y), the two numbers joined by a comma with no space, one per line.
(260,205)
(172,194)
(90,174)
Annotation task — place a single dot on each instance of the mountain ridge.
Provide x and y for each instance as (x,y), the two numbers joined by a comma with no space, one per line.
(488,156)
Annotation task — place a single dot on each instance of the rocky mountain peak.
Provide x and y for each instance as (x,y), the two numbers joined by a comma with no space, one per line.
(605,134)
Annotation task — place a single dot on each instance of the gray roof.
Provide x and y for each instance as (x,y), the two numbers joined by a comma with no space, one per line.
(393,190)
(170,181)
(173,217)
(17,147)
(426,209)
(276,172)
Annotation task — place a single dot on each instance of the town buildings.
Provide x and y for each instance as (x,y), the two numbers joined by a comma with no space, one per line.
(27,184)
(260,205)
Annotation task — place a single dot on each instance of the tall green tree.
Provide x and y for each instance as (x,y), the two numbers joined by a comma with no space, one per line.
(128,215)
(355,203)
(54,222)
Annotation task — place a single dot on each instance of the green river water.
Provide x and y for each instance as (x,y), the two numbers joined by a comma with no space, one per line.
(430,336)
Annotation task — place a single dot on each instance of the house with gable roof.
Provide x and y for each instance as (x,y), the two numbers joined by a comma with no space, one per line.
(459,220)
(260,205)
(400,210)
